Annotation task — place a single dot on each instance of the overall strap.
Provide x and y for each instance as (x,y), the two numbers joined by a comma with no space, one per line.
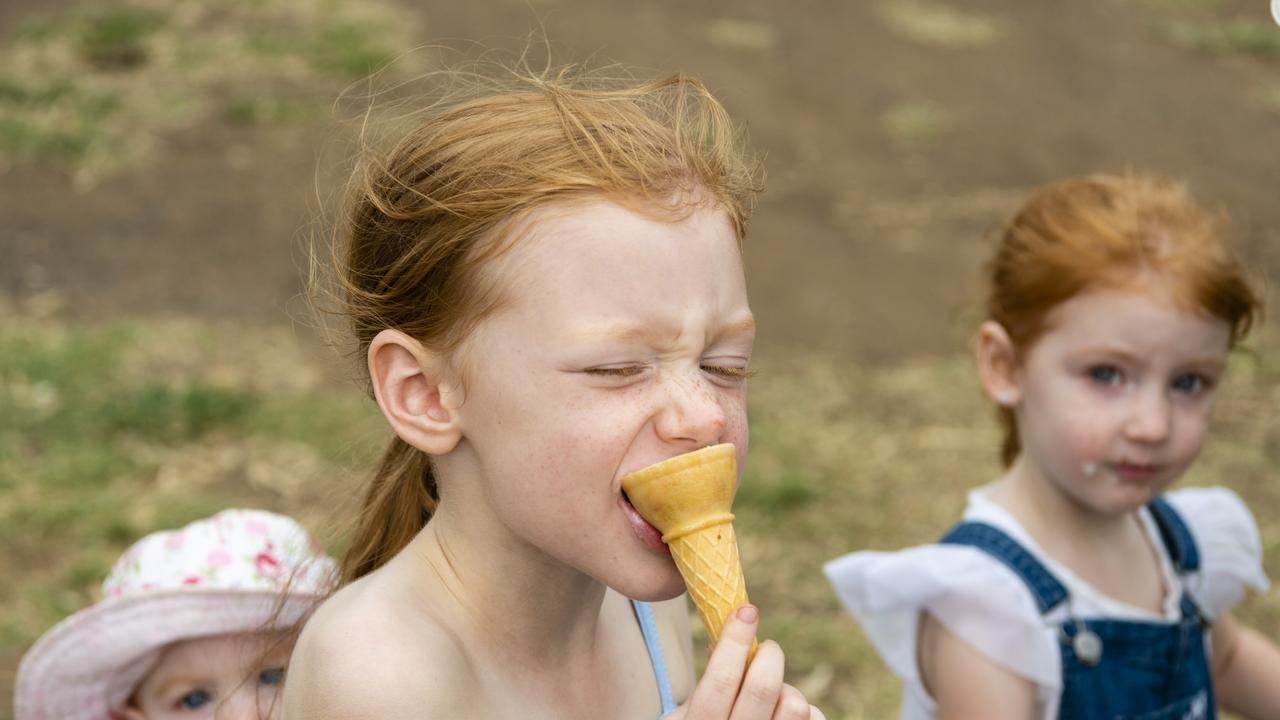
(649,628)
(1048,592)
(1177,538)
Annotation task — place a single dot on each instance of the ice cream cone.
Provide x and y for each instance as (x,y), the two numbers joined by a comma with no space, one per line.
(687,498)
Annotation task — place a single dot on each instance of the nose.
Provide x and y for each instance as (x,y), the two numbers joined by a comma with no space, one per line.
(1150,417)
(692,412)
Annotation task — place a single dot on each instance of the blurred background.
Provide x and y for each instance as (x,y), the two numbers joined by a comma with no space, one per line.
(163,164)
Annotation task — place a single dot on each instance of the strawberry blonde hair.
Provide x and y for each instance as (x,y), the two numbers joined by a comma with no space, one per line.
(1104,231)
(425,219)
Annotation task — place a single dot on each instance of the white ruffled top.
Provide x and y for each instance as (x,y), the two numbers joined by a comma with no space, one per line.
(984,603)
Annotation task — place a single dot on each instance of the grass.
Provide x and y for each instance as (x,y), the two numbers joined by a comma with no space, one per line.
(116,38)
(1216,26)
(939,24)
(742,34)
(93,89)
(1254,37)
(109,432)
(915,123)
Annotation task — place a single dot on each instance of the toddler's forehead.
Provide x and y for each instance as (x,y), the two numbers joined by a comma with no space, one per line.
(201,656)
(1134,313)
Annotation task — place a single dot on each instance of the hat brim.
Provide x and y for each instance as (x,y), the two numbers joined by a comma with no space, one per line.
(86,666)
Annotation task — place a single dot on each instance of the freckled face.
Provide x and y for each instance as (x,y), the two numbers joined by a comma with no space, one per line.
(1117,395)
(226,677)
(624,341)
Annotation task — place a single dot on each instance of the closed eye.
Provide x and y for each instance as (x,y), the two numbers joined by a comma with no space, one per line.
(729,372)
(622,371)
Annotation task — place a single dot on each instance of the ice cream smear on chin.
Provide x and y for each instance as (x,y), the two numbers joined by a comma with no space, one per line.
(687,498)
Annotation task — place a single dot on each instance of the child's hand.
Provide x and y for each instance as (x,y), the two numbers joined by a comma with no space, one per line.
(723,692)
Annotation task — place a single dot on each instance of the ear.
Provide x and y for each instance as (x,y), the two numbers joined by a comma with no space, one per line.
(415,389)
(998,364)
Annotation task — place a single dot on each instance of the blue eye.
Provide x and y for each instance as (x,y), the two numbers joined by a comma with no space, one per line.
(1105,374)
(1190,383)
(271,676)
(195,700)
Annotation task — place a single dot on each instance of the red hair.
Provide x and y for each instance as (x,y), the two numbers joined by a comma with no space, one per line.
(1103,231)
(427,217)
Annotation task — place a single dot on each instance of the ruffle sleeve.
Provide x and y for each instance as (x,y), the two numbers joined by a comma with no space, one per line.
(1229,544)
(976,597)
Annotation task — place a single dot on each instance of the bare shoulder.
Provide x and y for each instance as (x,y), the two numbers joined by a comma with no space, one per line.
(965,682)
(364,655)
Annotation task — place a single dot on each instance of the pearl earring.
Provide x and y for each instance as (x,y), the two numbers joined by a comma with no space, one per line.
(1004,398)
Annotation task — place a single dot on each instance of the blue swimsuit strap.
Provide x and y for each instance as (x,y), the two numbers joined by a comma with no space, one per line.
(649,628)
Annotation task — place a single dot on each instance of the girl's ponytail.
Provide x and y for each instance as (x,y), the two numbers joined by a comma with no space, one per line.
(399,503)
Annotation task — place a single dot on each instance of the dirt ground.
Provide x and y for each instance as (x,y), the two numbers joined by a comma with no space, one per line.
(896,135)
(890,154)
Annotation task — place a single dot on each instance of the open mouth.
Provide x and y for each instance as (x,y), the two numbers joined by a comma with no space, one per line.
(646,533)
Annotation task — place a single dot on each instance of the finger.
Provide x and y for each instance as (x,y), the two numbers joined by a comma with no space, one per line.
(791,705)
(816,714)
(716,692)
(762,687)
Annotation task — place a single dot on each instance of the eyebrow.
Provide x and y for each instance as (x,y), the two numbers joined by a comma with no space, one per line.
(633,332)
(1202,362)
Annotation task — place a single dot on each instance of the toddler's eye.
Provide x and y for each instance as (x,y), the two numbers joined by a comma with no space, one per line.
(1191,383)
(195,700)
(1105,374)
(271,676)
(729,372)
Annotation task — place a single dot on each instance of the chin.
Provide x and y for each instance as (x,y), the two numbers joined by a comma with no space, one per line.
(1127,499)
(651,586)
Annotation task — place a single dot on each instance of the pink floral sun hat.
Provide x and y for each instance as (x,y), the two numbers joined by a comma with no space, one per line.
(222,575)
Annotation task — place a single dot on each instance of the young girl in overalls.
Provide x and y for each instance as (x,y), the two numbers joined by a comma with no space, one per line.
(194,623)
(1076,587)
(545,279)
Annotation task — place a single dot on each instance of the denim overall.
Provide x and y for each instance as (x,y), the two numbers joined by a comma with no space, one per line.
(1138,670)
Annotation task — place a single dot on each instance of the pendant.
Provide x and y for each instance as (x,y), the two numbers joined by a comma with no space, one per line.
(1087,646)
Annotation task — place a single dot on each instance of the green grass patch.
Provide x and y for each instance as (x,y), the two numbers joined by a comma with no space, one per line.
(110,432)
(1222,36)
(160,70)
(115,38)
(914,124)
(940,24)
(349,49)
(267,109)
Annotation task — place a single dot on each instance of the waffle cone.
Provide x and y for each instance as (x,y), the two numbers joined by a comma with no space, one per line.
(687,498)
(708,562)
